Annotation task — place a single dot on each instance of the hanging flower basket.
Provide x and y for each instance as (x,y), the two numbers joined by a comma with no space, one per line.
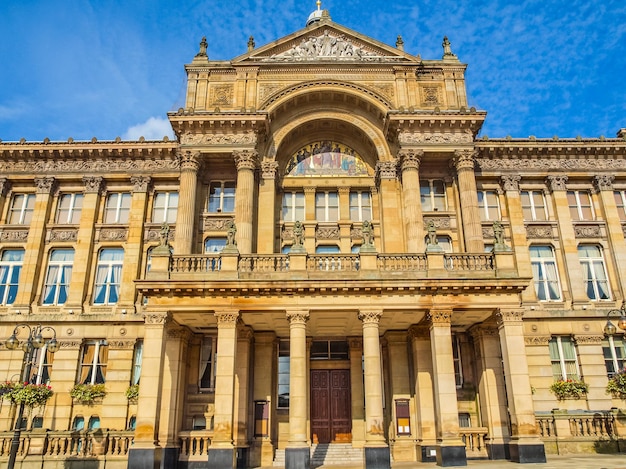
(132,393)
(88,393)
(31,395)
(569,388)
(617,385)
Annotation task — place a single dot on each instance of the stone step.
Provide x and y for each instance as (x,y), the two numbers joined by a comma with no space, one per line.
(338,454)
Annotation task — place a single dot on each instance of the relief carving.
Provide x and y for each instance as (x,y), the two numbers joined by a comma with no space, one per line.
(407,138)
(14,235)
(268,168)
(140,183)
(545,164)
(604,182)
(216,224)
(221,95)
(154,234)
(510,182)
(386,170)
(587,231)
(113,234)
(437,222)
(431,95)
(93,184)
(244,138)
(537,340)
(557,183)
(63,235)
(327,232)
(539,231)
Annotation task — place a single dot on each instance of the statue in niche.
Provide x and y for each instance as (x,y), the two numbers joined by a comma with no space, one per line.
(231,231)
(498,235)
(298,238)
(367,231)
(432,245)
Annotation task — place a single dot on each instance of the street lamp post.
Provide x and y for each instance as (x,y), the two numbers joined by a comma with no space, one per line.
(34,341)
(609,328)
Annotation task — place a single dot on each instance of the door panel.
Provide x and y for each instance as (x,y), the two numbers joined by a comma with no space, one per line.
(330,406)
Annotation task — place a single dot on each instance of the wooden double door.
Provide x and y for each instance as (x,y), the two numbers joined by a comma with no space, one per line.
(331,419)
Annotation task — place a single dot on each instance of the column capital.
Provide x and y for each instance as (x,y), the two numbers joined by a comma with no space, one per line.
(298,316)
(537,339)
(268,168)
(189,161)
(93,184)
(156,319)
(4,186)
(386,170)
(510,182)
(370,316)
(557,183)
(45,185)
(245,159)
(410,158)
(245,333)
(604,182)
(121,344)
(140,183)
(464,159)
(508,316)
(227,319)
(439,317)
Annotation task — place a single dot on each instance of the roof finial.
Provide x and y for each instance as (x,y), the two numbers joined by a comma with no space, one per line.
(447,50)
(203,47)
(399,43)
(251,44)
(319,4)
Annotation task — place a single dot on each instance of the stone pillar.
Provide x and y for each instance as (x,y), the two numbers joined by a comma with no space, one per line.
(604,185)
(243,369)
(262,450)
(145,453)
(173,387)
(297,453)
(246,161)
(222,453)
(424,399)
(376,451)
(525,445)
(186,214)
(118,374)
(345,224)
(593,370)
(33,254)
(492,390)
(133,249)
(83,253)
(5,185)
(573,281)
(413,220)
(472,226)
(450,447)
(356,387)
(391,212)
(266,209)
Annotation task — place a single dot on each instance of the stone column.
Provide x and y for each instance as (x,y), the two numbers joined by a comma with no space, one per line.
(376,449)
(246,161)
(145,453)
(345,224)
(413,220)
(450,448)
(391,211)
(309,224)
(492,390)
(604,185)
(33,254)
(118,374)
(593,370)
(472,226)
(297,453)
(222,454)
(356,387)
(133,249)
(266,209)
(83,253)
(5,185)
(573,281)
(525,445)
(243,370)
(262,448)
(186,214)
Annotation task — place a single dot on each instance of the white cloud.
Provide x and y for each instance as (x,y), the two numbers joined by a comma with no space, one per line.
(155,128)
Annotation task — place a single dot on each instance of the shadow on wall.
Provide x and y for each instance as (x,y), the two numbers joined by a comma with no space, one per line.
(82,463)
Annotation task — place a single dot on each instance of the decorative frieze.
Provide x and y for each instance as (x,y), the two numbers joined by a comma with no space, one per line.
(542,340)
(538,231)
(154,234)
(439,223)
(121,344)
(327,232)
(17,236)
(545,164)
(509,315)
(587,231)
(240,138)
(62,235)
(112,234)
(90,166)
(588,339)
(156,318)
(425,138)
(70,344)
(216,224)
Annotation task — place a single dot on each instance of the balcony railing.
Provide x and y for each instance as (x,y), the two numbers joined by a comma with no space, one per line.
(474,439)
(194,444)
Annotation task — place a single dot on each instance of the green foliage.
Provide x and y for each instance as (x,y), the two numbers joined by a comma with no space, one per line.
(572,388)
(31,395)
(88,393)
(617,385)
(132,393)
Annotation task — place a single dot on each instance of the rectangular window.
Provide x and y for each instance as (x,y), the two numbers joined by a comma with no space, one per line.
(21,211)
(221,197)
(594,272)
(534,206)
(206,379)
(326,206)
(108,276)
(620,201)
(137,359)
(360,206)
(58,276)
(293,206)
(42,366)
(563,358)
(614,349)
(329,350)
(546,276)
(456,356)
(69,209)
(117,207)
(93,363)
(580,206)
(165,207)
(489,205)
(10,268)
(283,374)
(433,195)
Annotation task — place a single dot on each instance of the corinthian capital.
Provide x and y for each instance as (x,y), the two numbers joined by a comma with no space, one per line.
(140,183)
(464,159)
(440,317)
(557,183)
(297,317)
(245,159)
(386,170)
(510,182)
(604,182)
(93,184)
(227,319)
(370,317)
(45,185)
(189,161)
(268,168)
(410,159)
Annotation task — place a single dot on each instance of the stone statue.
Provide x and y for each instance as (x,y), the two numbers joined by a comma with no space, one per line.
(498,234)
(165,234)
(368,235)
(203,47)
(432,245)
(231,231)
(298,234)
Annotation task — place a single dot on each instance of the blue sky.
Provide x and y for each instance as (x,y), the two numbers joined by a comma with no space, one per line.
(108,68)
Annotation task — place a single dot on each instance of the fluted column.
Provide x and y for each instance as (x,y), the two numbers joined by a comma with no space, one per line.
(391,231)
(246,161)
(450,447)
(472,227)
(413,220)
(525,446)
(376,449)
(31,267)
(186,214)
(297,453)
(84,243)
(222,453)
(266,208)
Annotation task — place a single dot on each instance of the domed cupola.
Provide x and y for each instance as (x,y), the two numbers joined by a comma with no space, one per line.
(318,15)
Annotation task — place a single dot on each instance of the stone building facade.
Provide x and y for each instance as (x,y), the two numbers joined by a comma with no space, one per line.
(326,257)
